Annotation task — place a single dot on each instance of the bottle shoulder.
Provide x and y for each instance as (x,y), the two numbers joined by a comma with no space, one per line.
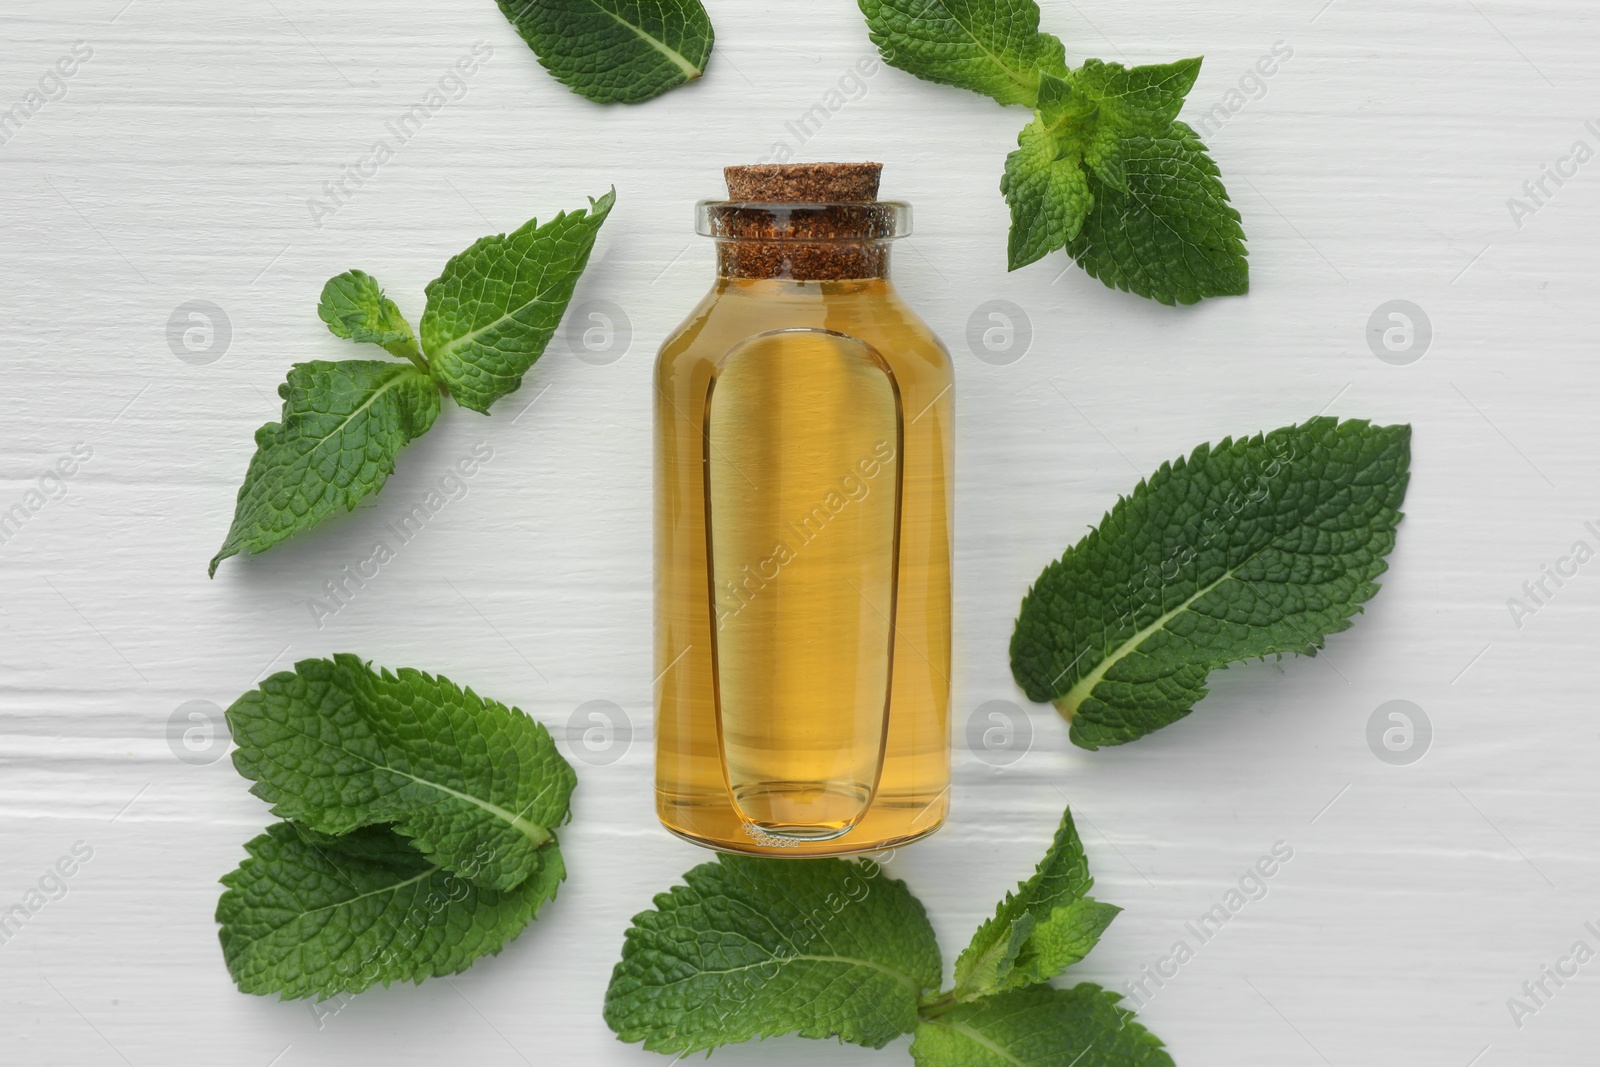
(871,312)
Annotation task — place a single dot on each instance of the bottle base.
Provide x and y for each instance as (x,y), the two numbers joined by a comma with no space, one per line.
(884,826)
(796,849)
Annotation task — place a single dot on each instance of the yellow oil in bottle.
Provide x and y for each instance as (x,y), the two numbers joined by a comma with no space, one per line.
(803,451)
(803,477)
(801,426)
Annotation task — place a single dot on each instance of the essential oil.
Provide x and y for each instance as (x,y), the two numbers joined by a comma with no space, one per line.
(803,475)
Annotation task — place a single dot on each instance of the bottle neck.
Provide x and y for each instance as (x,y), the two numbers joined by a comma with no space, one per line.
(835,260)
(802,292)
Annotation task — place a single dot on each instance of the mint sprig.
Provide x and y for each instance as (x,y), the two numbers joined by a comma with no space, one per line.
(616,51)
(489,316)
(1105,170)
(752,947)
(420,829)
(1253,547)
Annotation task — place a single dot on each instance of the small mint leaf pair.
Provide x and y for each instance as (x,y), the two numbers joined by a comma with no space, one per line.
(489,316)
(1105,170)
(752,947)
(419,829)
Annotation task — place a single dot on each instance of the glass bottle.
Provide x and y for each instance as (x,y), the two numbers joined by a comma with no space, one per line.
(803,420)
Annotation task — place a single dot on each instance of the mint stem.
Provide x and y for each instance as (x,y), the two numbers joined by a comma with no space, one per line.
(409,351)
(932,1009)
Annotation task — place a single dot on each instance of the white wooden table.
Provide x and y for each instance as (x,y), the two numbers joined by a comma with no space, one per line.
(1374,165)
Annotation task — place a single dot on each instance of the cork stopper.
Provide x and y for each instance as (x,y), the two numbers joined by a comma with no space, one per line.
(805,221)
(799,183)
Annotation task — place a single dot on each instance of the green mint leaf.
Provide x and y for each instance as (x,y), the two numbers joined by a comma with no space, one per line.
(341,427)
(758,947)
(1167,232)
(354,307)
(495,307)
(475,786)
(306,915)
(1137,99)
(615,51)
(1254,547)
(1048,194)
(992,47)
(1056,100)
(1049,924)
(1040,1026)
(1141,101)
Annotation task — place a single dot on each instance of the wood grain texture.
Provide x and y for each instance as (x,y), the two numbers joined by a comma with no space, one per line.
(1376,164)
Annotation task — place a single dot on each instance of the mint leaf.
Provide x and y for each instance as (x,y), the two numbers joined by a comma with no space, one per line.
(1128,103)
(354,307)
(342,426)
(495,307)
(475,786)
(1048,194)
(1251,548)
(758,947)
(992,47)
(1137,99)
(1169,233)
(1040,1026)
(1049,924)
(1083,126)
(615,51)
(306,916)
